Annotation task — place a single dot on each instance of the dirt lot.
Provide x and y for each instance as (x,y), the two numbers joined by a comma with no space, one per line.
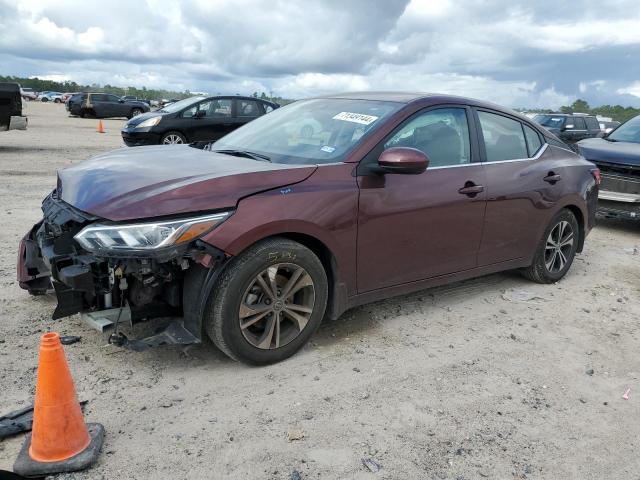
(481,379)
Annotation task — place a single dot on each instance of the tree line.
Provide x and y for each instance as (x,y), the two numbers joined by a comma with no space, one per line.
(41,85)
(616,112)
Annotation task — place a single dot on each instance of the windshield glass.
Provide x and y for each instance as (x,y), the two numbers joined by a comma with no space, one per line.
(309,131)
(177,106)
(552,121)
(627,132)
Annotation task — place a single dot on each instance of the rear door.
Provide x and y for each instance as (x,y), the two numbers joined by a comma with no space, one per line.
(117,107)
(414,227)
(100,104)
(211,120)
(523,186)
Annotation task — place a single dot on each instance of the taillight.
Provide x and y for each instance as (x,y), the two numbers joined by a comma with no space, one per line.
(596,175)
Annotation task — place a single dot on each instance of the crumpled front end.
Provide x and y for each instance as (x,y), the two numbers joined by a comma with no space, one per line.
(128,287)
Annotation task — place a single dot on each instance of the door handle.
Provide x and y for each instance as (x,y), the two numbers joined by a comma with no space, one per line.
(552,178)
(471,189)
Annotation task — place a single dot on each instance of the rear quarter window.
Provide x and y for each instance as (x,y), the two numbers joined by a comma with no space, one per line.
(503,137)
(533,140)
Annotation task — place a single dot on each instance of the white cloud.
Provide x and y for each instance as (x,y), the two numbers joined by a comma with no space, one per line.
(516,54)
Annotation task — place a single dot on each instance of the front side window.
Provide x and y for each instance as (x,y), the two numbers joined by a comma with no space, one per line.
(113,98)
(442,134)
(316,131)
(503,137)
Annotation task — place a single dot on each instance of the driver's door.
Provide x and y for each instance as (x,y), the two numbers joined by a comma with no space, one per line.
(414,227)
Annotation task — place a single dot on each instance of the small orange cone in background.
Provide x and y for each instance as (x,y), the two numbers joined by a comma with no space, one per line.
(60,440)
(100,129)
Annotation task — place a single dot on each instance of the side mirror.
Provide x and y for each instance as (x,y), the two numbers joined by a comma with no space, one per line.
(402,160)
(199,114)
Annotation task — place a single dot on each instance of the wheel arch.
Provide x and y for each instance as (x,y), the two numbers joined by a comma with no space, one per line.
(577,212)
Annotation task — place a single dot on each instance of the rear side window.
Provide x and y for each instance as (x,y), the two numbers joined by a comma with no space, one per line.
(533,140)
(248,108)
(592,123)
(503,137)
(98,97)
(578,123)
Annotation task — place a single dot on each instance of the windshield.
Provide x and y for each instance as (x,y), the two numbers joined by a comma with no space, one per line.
(309,131)
(627,132)
(552,121)
(177,106)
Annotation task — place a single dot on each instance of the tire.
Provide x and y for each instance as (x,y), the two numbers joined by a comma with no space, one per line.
(57,100)
(229,305)
(172,138)
(135,112)
(85,113)
(45,99)
(548,265)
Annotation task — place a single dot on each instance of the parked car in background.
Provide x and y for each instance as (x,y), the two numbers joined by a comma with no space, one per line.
(617,155)
(55,97)
(66,96)
(570,128)
(28,93)
(11,117)
(132,98)
(194,119)
(104,105)
(256,237)
(608,127)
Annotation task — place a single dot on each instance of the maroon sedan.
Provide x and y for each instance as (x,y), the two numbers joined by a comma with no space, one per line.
(320,206)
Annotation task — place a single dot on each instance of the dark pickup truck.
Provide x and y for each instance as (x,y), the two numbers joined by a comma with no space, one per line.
(11,117)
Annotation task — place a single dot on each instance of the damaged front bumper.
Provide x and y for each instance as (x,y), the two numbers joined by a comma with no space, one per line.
(116,290)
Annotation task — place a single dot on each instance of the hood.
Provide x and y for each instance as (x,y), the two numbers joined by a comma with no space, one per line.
(132,122)
(144,182)
(601,150)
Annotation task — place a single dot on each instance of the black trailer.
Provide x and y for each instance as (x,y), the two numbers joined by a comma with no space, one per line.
(11,117)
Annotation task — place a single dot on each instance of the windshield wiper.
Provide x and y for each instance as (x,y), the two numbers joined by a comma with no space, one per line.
(244,153)
(610,139)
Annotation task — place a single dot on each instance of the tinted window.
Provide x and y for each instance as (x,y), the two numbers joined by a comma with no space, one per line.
(267,108)
(503,137)
(533,140)
(627,132)
(248,108)
(113,98)
(592,123)
(578,123)
(442,134)
(98,97)
(553,121)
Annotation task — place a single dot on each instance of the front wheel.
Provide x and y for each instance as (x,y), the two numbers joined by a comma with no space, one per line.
(135,112)
(172,138)
(269,301)
(556,250)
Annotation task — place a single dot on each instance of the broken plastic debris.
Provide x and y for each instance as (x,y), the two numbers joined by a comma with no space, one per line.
(371,464)
(626,394)
(521,296)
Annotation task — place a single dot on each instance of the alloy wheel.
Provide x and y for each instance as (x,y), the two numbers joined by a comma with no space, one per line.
(558,248)
(172,139)
(276,306)
(135,112)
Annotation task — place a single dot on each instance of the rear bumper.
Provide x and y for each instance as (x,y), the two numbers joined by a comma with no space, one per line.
(616,209)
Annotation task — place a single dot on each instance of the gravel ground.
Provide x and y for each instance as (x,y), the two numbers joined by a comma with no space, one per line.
(491,378)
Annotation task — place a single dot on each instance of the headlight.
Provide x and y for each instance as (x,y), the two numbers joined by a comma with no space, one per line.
(149,122)
(146,236)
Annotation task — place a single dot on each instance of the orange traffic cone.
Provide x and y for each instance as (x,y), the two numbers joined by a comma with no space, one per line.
(100,129)
(60,441)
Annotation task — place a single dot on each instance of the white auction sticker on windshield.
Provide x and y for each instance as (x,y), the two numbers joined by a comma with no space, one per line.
(356,118)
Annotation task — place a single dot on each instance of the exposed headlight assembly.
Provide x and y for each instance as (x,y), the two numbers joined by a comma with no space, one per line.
(146,237)
(149,122)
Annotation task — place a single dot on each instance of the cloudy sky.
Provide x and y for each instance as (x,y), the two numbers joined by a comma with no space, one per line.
(536,53)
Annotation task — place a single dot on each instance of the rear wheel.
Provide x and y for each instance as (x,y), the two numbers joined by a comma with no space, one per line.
(556,250)
(57,100)
(268,302)
(172,138)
